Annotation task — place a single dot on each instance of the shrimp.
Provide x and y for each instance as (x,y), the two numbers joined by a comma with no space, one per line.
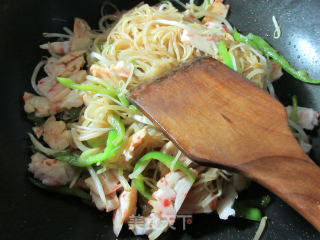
(203,43)
(138,142)
(56,135)
(52,89)
(81,35)
(38,131)
(51,172)
(128,202)
(61,48)
(276,72)
(65,66)
(226,201)
(172,191)
(79,76)
(219,9)
(39,105)
(307,117)
(110,184)
(73,99)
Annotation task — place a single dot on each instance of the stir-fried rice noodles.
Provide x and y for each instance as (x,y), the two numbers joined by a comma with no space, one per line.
(99,149)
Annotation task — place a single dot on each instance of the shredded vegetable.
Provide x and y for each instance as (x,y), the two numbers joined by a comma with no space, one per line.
(62,190)
(163,158)
(260,44)
(223,51)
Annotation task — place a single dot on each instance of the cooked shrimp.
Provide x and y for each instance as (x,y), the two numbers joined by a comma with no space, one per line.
(50,171)
(38,131)
(219,9)
(61,48)
(203,43)
(81,35)
(307,117)
(128,202)
(226,201)
(138,142)
(172,191)
(276,72)
(110,185)
(52,89)
(79,76)
(73,99)
(39,105)
(55,134)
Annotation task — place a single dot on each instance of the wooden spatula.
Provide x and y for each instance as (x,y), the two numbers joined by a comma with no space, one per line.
(215,116)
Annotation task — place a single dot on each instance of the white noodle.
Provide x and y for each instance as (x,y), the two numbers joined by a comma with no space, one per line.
(277,31)
(56,35)
(271,90)
(173,163)
(100,58)
(77,142)
(34,77)
(99,187)
(40,147)
(261,227)
(68,30)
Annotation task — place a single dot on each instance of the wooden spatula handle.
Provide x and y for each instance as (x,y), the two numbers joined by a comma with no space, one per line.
(298,182)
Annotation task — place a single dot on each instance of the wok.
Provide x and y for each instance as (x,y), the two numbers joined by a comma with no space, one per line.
(30,213)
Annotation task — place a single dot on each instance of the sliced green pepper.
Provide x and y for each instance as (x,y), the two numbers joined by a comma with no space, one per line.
(124,100)
(87,158)
(223,51)
(294,111)
(38,121)
(260,44)
(63,190)
(97,142)
(116,123)
(87,87)
(253,214)
(163,158)
(240,38)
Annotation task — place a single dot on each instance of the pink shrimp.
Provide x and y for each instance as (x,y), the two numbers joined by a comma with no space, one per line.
(55,134)
(81,39)
(60,48)
(50,171)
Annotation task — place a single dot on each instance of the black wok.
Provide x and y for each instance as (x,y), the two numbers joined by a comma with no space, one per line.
(30,213)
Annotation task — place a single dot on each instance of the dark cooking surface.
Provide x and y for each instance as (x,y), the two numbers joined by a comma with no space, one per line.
(29,213)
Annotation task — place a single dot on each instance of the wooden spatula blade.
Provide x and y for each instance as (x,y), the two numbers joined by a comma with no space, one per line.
(204,107)
(216,116)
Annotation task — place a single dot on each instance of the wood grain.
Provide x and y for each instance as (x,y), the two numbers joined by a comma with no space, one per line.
(215,116)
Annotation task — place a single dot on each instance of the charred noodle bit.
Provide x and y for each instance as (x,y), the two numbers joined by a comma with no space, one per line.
(260,44)
(163,158)
(89,157)
(62,190)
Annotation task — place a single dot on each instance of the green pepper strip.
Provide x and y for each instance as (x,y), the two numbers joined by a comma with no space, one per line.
(163,158)
(87,87)
(97,142)
(88,157)
(62,190)
(116,123)
(253,214)
(260,44)
(294,112)
(240,38)
(223,51)
(124,100)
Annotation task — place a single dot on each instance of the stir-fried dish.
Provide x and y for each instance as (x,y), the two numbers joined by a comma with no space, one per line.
(91,142)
